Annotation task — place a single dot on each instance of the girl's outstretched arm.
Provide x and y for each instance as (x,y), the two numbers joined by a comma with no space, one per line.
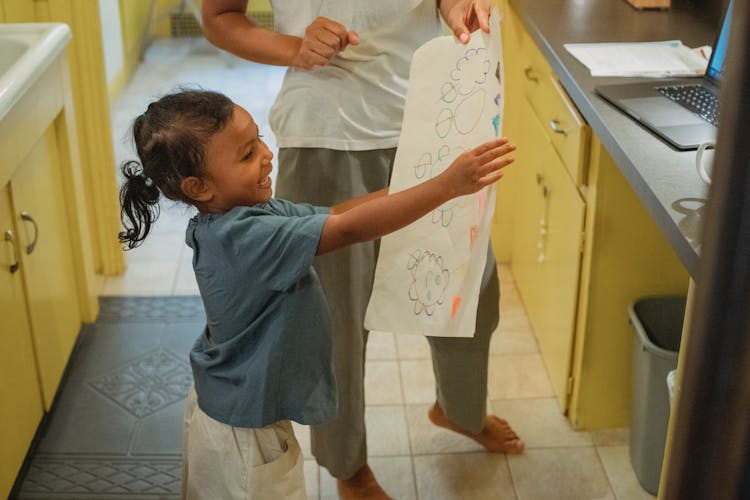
(342,207)
(374,215)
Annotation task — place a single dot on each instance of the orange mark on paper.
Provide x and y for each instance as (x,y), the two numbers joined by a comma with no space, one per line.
(473,235)
(456,305)
(481,202)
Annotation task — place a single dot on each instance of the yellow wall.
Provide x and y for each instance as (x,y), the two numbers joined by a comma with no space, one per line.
(134,21)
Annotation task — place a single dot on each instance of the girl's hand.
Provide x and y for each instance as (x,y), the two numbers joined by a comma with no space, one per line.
(323,39)
(477,168)
(465,16)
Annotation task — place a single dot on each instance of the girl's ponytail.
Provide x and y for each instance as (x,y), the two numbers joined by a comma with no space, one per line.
(139,202)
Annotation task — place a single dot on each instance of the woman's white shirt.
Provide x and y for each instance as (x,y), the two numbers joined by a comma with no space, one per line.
(356,102)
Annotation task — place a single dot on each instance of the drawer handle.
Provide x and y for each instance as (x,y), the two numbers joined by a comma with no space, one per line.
(9,238)
(555,126)
(28,218)
(530,74)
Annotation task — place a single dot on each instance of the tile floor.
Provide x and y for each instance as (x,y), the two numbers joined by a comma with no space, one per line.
(411,458)
(115,429)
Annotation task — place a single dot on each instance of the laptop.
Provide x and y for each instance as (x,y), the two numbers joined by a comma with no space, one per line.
(685,111)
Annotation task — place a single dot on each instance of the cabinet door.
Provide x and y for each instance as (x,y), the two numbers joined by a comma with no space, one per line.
(20,397)
(528,213)
(46,255)
(558,257)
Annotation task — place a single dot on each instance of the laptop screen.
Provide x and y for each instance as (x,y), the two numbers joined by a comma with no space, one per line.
(716,65)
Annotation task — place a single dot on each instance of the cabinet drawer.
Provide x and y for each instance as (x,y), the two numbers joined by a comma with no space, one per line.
(565,127)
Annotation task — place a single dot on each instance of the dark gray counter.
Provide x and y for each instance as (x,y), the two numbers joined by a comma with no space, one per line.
(663,178)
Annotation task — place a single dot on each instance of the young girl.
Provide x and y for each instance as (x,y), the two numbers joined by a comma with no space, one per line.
(264,357)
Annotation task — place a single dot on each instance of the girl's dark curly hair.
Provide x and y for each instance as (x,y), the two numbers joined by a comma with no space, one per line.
(170,139)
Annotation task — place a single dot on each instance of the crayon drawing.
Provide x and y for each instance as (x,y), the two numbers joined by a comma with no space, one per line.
(428,274)
(429,281)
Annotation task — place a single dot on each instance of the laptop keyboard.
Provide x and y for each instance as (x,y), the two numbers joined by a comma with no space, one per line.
(696,98)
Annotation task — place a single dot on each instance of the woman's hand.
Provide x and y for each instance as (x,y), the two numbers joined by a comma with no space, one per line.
(323,39)
(477,168)
(465,16)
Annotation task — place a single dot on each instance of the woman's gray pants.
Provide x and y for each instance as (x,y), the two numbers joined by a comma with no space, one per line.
(325,177)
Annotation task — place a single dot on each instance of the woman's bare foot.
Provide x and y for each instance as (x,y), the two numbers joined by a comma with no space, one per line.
(361,485)
(496,436)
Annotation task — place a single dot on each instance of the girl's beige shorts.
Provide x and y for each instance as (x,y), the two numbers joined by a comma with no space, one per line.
(221,462)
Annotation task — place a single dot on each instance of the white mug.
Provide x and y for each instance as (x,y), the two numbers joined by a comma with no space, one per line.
(704,158)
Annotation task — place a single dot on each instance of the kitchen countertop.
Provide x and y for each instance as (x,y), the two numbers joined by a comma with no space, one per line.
(663,178)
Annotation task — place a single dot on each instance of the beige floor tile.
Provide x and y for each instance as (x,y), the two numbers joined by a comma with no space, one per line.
(382,383)
(157,247)
(412,347)
(616,461)
(470,476)
(509,341)
(386,431)
(508,288)
(381,345)
(143,278)
(515,321)
(510,301)
(559,474)
(427,438)
(518,376)
(611,437)
(395,475)
(540,423)
(418,381)
(312,479)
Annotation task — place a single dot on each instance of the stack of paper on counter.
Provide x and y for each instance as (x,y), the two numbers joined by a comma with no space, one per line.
(645,59)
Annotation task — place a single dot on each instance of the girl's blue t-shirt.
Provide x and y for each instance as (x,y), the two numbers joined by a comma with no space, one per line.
(266,352)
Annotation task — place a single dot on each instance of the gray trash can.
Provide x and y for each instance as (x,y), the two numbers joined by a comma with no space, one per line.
(657,322)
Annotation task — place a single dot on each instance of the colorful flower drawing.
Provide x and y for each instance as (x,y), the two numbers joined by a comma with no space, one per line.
(429,281)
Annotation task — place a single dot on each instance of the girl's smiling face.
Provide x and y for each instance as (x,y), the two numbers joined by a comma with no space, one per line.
(237,166)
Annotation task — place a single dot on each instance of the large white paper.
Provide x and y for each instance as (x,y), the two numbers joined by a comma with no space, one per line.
(429,273)
(650,59)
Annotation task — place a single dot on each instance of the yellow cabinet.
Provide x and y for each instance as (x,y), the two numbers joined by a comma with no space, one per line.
(20,398)
(548,210)
(38,298)
(580,244)
(546,253)
(47,260)
(46,264)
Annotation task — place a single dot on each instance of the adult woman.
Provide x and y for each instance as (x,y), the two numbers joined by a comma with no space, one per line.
(337,121)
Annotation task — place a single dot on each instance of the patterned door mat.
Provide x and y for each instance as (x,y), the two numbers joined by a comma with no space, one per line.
(115,430)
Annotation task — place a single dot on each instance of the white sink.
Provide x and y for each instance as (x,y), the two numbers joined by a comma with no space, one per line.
(26,50)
